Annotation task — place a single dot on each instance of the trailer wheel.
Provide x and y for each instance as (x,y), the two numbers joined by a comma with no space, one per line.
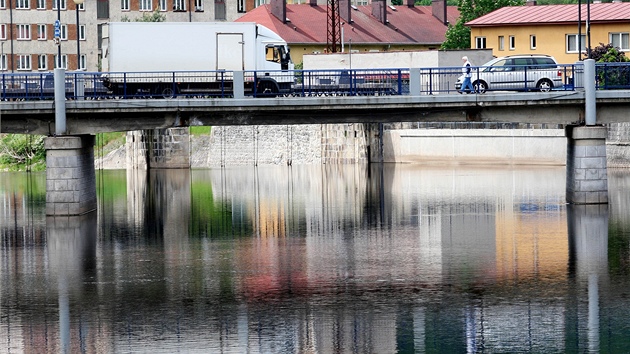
(166,92)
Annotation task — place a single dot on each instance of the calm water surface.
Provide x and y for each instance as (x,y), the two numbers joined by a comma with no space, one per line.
(331,259)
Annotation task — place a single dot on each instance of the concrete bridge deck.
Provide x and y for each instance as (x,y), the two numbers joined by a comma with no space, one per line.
(97,116)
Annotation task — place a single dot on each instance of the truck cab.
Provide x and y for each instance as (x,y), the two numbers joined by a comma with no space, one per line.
(279,54)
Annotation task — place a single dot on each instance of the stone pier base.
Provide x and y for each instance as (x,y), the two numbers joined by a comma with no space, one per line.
(70,176)
(587,176)
(158,148)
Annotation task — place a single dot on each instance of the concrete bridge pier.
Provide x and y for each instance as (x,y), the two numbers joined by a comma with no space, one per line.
(158,148)
(70,175)
(587,176)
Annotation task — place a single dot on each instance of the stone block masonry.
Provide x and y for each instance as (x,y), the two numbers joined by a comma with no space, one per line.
(158,148)
(70,175)
(587,177)
(285,145)
(618,145)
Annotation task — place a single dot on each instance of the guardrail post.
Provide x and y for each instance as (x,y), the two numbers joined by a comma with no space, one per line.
(578,75)
(79,86)
(239,84)
(589,92)
(60,101)
(414,81)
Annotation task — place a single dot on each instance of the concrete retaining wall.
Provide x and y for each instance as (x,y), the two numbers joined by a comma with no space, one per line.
(282,145)
(513,146)
(404,143)
(618,145)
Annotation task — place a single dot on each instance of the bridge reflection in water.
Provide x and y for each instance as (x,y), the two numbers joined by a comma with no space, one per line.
(317,259)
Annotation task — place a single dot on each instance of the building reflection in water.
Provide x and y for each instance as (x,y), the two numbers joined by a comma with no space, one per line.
(314,259)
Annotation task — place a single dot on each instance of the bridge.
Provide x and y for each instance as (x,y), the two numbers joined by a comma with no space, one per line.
(413,95)
(97,116)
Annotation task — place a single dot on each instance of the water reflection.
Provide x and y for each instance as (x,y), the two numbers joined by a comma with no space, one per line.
(378,259)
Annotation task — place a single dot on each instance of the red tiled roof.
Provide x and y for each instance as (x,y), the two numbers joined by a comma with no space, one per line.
(415,25)
(557,14)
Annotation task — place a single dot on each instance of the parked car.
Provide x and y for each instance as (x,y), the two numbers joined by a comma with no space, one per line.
(516,73)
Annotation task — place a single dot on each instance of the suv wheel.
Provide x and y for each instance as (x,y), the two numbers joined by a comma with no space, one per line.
(544,85)
(480,86)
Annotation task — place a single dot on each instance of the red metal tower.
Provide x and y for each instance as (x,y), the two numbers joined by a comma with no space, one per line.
(333,30)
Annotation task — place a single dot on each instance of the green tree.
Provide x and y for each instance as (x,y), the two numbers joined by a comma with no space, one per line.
(154,16)
(458,35)
(425,2)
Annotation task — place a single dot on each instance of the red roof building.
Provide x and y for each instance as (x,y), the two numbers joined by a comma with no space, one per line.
(552,29)
(397,28)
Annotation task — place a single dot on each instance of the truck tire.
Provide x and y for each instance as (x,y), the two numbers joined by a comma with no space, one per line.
(166,92)
(266,89)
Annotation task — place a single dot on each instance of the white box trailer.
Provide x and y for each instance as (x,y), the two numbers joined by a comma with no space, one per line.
(172,58)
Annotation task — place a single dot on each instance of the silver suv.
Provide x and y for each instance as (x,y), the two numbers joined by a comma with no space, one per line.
(516,73)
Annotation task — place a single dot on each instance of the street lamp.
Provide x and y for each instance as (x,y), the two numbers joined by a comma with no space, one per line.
(76,6)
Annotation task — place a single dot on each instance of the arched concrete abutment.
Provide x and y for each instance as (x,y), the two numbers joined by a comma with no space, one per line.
(70,175)
(587,175)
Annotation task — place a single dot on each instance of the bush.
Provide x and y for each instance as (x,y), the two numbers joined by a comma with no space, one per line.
(615,71)
(19,152)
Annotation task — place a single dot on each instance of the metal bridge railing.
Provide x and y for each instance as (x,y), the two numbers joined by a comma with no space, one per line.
(307,83)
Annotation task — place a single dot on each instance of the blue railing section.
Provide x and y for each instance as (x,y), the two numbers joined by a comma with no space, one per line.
(307,83)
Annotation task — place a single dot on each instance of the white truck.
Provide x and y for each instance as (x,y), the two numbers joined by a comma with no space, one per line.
(193,58)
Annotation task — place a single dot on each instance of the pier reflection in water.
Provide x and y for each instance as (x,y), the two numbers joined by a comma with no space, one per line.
(361,259)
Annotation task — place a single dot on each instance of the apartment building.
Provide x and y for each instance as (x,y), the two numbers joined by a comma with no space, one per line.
(27,27)
(28,33)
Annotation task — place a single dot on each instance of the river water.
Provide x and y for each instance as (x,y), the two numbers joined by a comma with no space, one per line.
(317,259)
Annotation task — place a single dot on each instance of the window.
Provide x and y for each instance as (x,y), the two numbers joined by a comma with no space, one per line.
(501,43)
(179,5)
(22,4)
(81,6)
(532,42)
(64,62)
(199,5)
(24,62)
(3,62)
(41,32)
(82,62)
(42,62)
(219,10)
(512,43)
(480,42)
(24,32)
(102,9)
(240,6)
(3,31)
(620,40)
(145,5)
(163,6)
(41,4)
(81,33)
(3,4)
(64,33)
(572,43)
(61,3)
(124,5)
